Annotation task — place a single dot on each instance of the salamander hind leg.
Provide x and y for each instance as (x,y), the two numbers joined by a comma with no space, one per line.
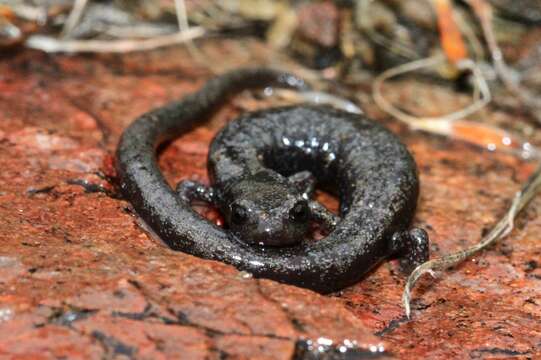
(411,246)
(189,191)
(323,216)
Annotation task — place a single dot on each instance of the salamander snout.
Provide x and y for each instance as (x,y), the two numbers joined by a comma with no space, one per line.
(281,222)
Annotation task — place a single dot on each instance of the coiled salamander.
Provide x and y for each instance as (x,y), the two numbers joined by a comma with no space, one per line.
(263,168)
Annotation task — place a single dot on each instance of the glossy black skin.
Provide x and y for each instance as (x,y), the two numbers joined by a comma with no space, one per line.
(266,163)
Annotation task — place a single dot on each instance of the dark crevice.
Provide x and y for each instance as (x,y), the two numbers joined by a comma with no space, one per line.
(68,315)
(100,123)
(180,318)
(91,188)
(88,187)
(296,323)
(221,354)
(158,343)
(497,351)
(113,346)
(304,348)
(392,325)
(42,190)
(183,320)
(140,316)
(396,323)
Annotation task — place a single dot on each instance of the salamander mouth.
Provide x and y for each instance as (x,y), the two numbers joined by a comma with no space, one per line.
(271,238)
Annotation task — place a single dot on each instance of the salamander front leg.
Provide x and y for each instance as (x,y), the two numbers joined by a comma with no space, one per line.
(189,191)
(305,182)
(323,216)
(411,246)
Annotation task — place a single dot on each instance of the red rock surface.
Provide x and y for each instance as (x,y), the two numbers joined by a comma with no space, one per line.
(79,278)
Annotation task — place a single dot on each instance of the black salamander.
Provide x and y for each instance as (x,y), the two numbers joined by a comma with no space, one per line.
(263,169)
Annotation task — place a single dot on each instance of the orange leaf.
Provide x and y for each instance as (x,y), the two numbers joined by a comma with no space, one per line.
(450,36)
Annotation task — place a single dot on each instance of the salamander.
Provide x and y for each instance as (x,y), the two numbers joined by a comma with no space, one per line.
(263,168)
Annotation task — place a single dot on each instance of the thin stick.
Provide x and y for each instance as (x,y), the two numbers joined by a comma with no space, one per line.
(315,97)
(499,231)
(182,16)
(74,17)
(52,45)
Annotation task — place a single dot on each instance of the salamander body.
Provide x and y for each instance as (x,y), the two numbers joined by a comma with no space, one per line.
(263,169)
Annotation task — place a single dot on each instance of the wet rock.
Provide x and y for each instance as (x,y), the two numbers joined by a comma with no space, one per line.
(79,278)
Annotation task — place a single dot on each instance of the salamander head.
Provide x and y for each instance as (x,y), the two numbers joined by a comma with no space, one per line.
(266,209)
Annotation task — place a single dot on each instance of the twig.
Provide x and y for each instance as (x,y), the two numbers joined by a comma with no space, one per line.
(74,17)
(182,17)
(143,30)
(499,231)
(315,97)
(51,45)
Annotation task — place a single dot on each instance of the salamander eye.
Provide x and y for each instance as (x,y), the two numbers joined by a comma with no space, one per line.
(239,214)
(300,211)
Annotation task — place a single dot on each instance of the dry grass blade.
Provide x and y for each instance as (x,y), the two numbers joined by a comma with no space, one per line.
(182,16)
(499,231)
(52,45)
(74,17)
(315,97)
